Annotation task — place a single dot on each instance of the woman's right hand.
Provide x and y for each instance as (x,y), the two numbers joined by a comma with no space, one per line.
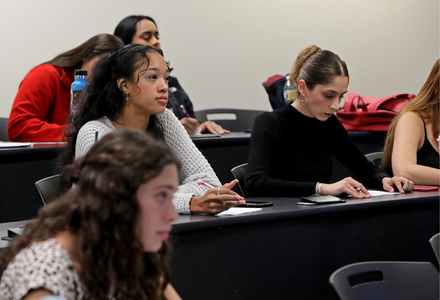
(347,186)
(215,201)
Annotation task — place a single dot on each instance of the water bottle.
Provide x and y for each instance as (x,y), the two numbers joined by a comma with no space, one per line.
(290,91)
(77,91)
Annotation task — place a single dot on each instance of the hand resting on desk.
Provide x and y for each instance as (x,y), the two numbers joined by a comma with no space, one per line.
(355,189)
(212,127)
(401,183)
(191,126)
(347,186)
(216,200)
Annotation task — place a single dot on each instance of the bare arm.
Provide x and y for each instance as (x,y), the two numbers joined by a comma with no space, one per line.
(408,138)
(171,294)
(37,294)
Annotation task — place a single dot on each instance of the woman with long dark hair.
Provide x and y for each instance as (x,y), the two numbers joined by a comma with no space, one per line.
(138,29)
(42,106)
(411,147)
(130,90)
(308,134)
(107,237)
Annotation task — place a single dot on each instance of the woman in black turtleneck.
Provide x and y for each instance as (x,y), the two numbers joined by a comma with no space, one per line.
(292,148)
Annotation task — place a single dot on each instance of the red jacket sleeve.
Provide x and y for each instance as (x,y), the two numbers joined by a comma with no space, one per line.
(41,107)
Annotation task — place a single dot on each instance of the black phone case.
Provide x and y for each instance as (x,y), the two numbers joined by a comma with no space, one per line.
(255,204)
(320,200)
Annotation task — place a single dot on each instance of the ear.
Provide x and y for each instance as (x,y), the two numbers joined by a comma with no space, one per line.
(302,87)
(122,84)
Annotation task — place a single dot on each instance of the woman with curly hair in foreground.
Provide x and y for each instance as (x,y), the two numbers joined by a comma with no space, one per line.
(107,237)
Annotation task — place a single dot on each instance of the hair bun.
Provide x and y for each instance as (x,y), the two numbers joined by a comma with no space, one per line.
(302,57)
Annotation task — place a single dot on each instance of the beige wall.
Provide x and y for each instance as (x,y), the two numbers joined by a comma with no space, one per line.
(222,51)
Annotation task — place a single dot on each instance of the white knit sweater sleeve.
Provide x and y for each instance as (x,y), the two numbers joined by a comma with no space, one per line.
(87,134)
(194,164)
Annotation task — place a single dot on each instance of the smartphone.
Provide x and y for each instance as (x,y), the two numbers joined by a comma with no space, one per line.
(255,204)
(425,188)
(317,200)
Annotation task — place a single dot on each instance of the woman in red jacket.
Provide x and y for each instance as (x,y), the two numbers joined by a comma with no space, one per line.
(42,105)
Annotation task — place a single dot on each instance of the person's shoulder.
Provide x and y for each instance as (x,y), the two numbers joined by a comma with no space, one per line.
(87,133)
(99,124)
(46,249)
(167,116)
(410,117)
(279,115)
(44,264)
(268,115)
(46,254)
(46,71)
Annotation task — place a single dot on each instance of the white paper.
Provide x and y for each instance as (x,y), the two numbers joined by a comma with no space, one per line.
(375,193)
(14,145)
(382,193)
(238,211)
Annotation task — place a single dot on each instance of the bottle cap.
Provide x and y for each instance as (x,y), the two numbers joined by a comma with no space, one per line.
(80,72)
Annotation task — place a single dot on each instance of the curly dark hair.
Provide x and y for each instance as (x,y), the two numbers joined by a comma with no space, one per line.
(102,212)
(105,97)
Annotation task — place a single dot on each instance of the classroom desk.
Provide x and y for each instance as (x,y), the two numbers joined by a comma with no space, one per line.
(289,251)
(20,168)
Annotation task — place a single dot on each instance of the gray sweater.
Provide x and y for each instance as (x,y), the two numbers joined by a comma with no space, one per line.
(194,164)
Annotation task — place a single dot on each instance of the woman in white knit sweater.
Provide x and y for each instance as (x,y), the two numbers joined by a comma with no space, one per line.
(130,89)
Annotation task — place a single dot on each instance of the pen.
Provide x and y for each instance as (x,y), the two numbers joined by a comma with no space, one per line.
(201,182)
(96,136)
(184,110)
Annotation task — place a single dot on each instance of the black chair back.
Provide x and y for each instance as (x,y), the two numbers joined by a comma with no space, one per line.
(375,158)
(239,172)
(434,241)
(4,129)
(386,281)
(48,188)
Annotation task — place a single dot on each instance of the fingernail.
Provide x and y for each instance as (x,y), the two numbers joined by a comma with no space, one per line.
(241,201)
